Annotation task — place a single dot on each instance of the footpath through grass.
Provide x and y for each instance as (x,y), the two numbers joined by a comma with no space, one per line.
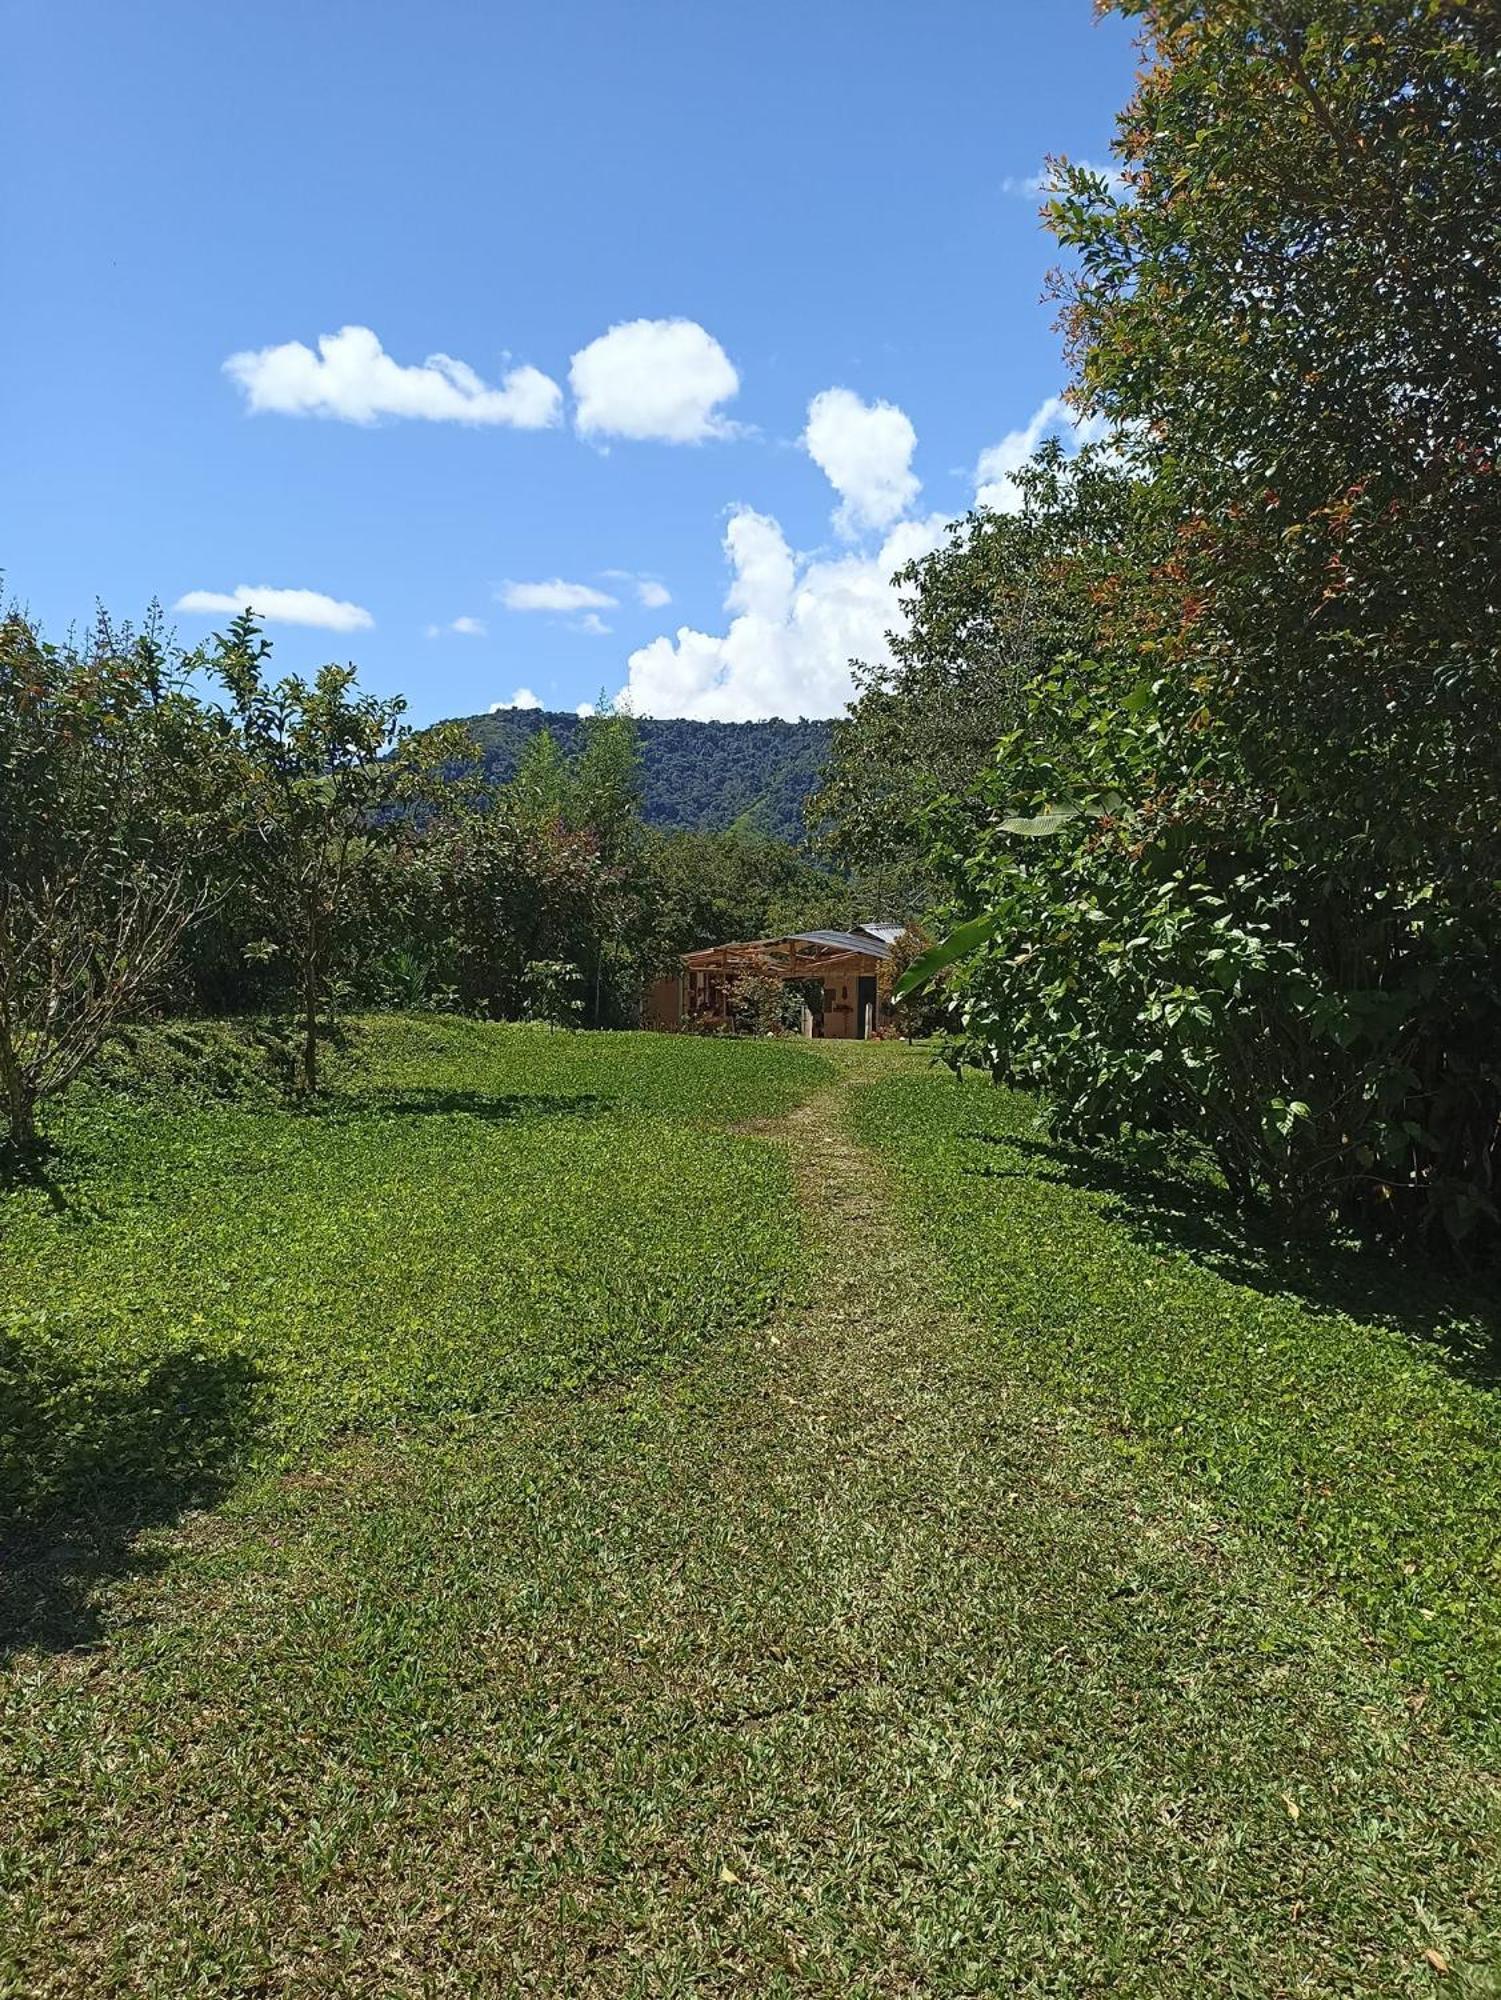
(837,1654)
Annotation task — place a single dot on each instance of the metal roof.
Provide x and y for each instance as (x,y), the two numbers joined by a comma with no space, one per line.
(887,933)
(865,942)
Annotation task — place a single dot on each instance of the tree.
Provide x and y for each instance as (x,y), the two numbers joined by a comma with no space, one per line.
(109,818)
(1252,893)
(1004,593)
(329,774)
(484,895)
(605,800)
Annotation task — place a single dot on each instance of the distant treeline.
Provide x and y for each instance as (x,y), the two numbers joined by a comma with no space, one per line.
(697,775)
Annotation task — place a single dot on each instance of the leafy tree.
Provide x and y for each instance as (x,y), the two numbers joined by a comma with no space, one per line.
(540,790)
(606,801)
(606,783)
(108,822)
(1251,891)
(486,894)
(329,775)
(1004,593)
(710,888)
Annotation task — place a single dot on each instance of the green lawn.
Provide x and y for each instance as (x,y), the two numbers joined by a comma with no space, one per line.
(1343,1402)
(478,1214)
(511,1532)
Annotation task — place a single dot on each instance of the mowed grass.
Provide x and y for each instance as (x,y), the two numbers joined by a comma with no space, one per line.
(837,1656)
(1341,1401)
(476,1214)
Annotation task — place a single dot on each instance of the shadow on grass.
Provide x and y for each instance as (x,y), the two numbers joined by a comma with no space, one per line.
(1191,1213)
(494,1109)
(88,1461)
(30,1170)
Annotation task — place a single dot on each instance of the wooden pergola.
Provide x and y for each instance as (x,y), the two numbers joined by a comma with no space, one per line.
(840,968)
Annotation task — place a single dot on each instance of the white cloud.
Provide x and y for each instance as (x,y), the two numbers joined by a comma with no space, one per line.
(796,620)
(467,628)
(653,378)
(649,591)
(593,624)
(1045,180)
(522,698)
(351,377)
(584,710)
(555,595)
(281,607)
(799,620)
(994,485)
(865,452)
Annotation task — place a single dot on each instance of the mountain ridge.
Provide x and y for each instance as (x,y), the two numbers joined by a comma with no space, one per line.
(701,776)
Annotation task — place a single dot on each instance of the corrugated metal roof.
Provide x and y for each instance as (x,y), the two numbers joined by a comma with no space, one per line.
(887,933)
(862,941)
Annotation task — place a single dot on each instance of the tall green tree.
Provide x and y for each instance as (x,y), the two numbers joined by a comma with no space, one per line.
(111,818)
(1254,893)
(328,775)
(982,614)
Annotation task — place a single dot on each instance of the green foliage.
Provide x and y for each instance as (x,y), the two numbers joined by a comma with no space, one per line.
(489,892)
(192,1065)
(112,783)
(327,775)
(453,1231)
(1002,594)
(1339,1401)
(1242,854)
(552,993)
(695,776)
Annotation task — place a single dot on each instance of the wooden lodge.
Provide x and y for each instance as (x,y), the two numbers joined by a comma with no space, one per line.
(837,971)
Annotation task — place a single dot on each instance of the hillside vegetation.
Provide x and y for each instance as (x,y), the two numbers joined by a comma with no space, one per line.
(698,776)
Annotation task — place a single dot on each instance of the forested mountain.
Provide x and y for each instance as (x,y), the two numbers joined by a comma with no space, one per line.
(700,775)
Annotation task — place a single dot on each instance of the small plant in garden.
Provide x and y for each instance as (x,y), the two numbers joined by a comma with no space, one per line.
(552,993)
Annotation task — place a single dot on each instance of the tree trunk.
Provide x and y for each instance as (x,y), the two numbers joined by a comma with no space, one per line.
(19,1097)
(310,1017)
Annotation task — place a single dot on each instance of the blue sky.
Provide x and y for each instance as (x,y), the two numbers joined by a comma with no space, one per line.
(650,240)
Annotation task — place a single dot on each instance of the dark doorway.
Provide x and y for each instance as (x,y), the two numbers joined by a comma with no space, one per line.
(866,1004)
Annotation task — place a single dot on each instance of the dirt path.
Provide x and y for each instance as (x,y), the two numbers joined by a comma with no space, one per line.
(839,1664)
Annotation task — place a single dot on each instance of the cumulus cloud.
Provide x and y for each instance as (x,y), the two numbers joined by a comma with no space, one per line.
(593,624)
(661,379)
(995,486)
(649,591)
(865,452)
(352,378)
(555,595)
(797,622)
(584,710)
(281,607)
(467,628)
(522,698)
